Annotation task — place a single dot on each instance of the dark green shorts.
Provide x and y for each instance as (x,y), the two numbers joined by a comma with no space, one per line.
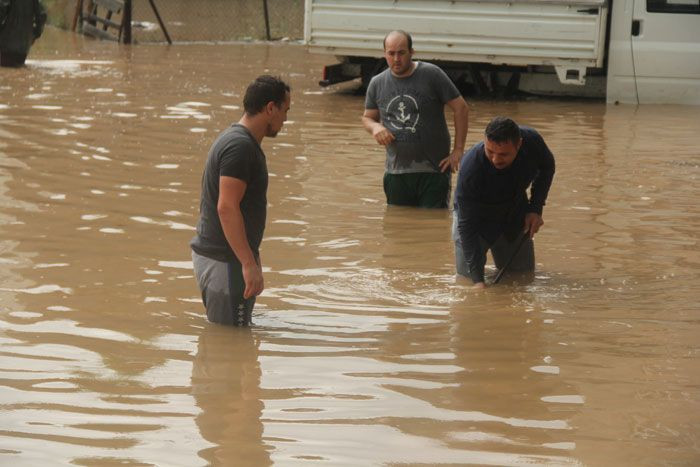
(423,189)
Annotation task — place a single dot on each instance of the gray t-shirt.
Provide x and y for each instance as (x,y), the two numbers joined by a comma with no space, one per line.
(235,153)
(413,109)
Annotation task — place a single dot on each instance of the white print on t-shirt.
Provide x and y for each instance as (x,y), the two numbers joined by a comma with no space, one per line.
(402,113)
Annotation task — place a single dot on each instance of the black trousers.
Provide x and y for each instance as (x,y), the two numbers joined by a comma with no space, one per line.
(12,59)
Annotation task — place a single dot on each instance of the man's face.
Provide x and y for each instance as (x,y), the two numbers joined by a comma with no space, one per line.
(278,115)
(502,154)
(398,55)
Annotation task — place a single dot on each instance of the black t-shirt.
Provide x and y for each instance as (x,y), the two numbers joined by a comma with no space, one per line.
(235,153)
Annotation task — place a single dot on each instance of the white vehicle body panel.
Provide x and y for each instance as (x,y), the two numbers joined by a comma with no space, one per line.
(533,32)
(660,64)
(666,56)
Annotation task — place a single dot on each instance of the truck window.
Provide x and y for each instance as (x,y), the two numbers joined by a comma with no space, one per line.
(674,6)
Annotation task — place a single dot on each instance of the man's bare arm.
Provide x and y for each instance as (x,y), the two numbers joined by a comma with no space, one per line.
(370,120)
(460,110)
(231,191)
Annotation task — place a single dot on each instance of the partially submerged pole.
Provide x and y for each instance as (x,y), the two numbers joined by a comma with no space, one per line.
(160,21)
(267,20)
(126,21)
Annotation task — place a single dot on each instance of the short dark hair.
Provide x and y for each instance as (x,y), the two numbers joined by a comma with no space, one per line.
(408,37)
(264,89)
(502,129)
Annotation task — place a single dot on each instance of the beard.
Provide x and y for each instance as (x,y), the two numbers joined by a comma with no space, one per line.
(271,132)
(403,69)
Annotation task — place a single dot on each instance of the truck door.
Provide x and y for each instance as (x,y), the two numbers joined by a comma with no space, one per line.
(666,51)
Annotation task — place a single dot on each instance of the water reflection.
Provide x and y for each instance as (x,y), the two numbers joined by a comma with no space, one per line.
(226,388)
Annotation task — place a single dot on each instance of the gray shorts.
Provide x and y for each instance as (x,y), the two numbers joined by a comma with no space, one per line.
(222,287)
(501,251)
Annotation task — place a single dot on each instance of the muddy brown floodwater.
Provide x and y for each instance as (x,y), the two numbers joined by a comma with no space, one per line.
(365,348)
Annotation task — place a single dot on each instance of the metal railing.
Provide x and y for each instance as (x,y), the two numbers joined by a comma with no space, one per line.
(189,20)
(217,20)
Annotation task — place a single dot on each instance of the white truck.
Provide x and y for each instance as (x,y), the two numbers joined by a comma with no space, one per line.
(628,51)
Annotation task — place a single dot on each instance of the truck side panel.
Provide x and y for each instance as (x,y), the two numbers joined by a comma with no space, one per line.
(496,32)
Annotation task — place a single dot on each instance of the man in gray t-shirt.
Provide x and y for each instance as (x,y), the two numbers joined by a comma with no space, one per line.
(233,206)
(404,112)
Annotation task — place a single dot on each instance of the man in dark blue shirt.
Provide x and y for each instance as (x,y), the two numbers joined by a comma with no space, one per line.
(492,207)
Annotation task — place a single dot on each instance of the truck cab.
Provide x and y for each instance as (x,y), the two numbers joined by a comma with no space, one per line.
(654,52)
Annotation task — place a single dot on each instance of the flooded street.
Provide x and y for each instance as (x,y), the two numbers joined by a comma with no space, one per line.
(365,350)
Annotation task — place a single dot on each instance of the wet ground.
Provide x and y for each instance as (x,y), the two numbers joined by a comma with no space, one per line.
(365,348)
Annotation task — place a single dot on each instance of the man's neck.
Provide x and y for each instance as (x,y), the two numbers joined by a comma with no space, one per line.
(408,73)
(255,126)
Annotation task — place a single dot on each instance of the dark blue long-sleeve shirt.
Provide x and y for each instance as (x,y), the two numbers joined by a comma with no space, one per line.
(490,202)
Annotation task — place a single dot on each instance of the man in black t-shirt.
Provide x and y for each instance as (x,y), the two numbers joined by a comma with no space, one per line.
(225,251)
(21,23)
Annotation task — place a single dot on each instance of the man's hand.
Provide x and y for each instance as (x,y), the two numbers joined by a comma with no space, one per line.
(371,122)
(533,222)
(451,161)
(382,135)
(479,285)
(253,277)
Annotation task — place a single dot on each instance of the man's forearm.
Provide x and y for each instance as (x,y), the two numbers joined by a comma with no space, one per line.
(461,124)
(476,260)
(540,190)
(543,181)
(474,254)
(234,231)
(370,124)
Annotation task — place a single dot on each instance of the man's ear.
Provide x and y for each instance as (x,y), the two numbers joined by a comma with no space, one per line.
(520,143)
(269,107)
